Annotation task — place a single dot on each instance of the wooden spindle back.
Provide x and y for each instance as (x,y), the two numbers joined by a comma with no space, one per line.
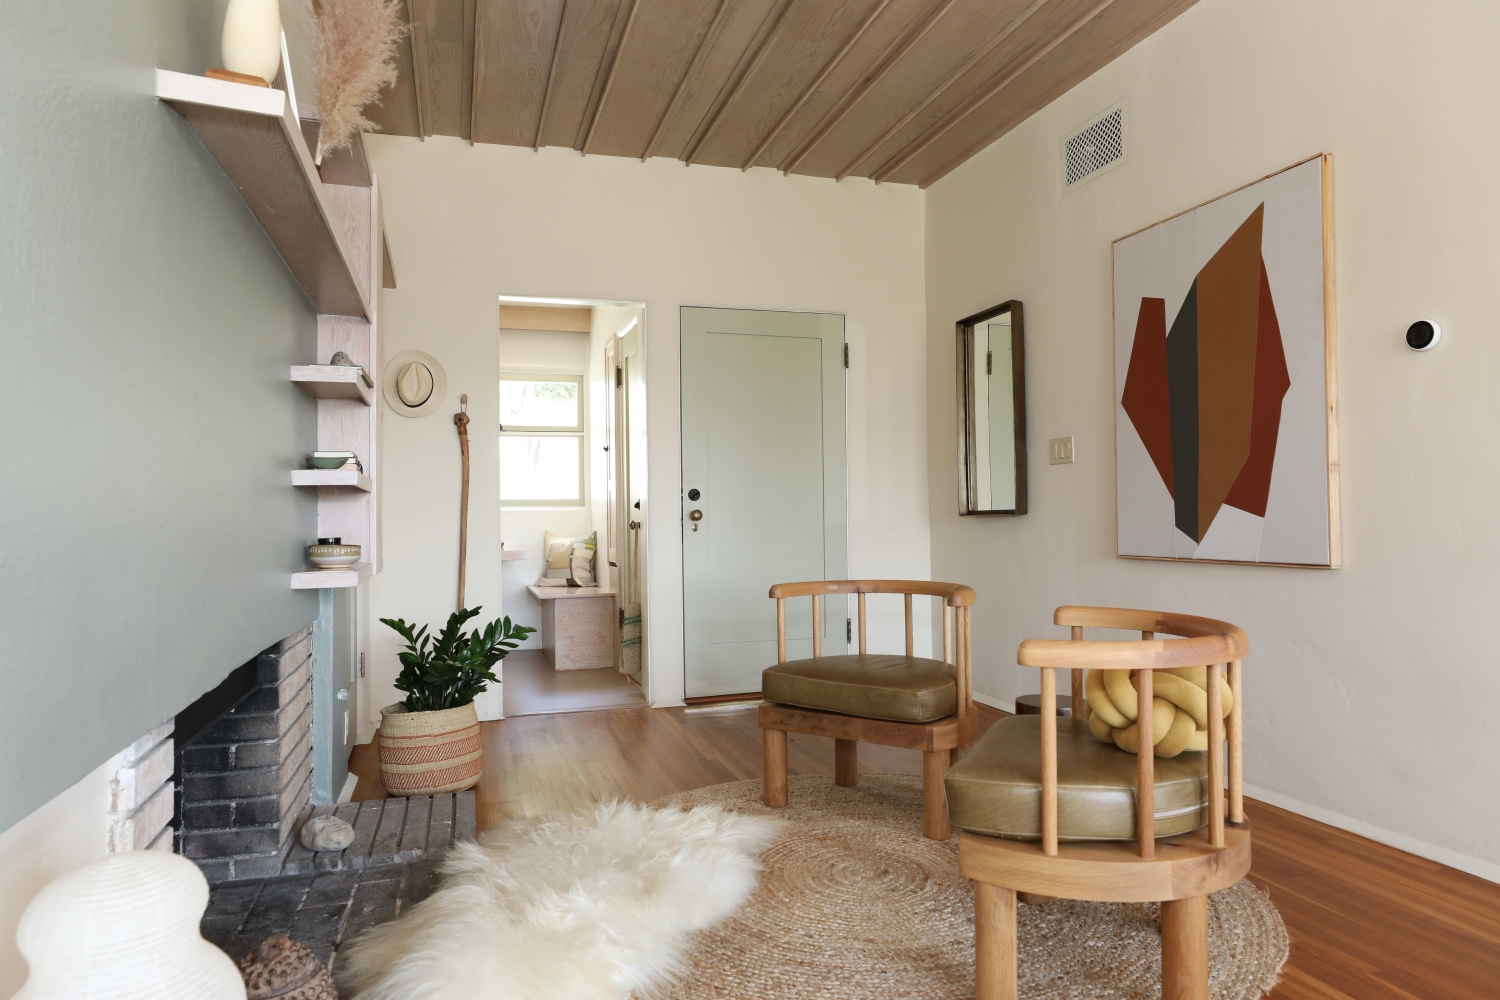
(1205,642)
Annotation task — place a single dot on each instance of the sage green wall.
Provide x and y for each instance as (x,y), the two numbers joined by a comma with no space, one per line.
(147,528)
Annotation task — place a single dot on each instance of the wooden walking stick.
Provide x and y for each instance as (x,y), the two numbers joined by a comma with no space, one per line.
(461,418)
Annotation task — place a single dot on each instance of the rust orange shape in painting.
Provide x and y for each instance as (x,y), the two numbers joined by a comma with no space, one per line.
(1221,415)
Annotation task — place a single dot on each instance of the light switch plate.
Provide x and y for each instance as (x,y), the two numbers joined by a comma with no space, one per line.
(1060,451)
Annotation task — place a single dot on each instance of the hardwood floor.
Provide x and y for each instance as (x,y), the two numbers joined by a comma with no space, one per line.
(1367,922)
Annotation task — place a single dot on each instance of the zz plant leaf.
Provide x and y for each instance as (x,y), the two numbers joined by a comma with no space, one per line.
(450,670)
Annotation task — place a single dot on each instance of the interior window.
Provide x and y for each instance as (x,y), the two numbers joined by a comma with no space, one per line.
(541,440)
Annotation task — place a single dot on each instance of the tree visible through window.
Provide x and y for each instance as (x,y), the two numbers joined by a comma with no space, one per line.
(541,440)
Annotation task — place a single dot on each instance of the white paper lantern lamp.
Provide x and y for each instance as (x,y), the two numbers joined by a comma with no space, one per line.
(124,927)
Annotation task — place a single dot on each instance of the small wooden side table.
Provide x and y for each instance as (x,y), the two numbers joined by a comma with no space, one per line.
(578,626)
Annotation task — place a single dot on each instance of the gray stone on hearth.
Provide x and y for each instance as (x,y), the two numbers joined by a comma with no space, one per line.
(327,833)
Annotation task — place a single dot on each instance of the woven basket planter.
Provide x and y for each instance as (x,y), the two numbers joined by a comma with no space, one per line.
(425,753)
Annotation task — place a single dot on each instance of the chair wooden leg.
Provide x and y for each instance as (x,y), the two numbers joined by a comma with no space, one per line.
(934,802)
(1184,949)
(994,942)
(775,767)
(845,762)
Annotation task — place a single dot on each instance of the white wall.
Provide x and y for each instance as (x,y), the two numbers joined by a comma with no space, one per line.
(1370,689)
(69,831)
(469,222)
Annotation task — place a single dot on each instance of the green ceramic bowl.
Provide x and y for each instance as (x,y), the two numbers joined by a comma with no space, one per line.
(325,463)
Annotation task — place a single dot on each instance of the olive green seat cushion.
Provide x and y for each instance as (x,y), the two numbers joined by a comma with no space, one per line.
(873,686)
(996,788)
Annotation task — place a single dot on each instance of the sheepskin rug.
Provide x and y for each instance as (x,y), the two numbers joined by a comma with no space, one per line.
(597,906)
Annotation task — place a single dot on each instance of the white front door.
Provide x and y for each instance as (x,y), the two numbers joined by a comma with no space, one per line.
(764,487)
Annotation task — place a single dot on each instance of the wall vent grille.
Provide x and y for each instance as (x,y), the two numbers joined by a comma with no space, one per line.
(1096,146)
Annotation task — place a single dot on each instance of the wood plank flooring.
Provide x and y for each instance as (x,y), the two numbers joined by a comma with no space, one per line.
(1367,922)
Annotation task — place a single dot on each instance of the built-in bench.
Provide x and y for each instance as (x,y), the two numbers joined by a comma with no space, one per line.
(578,626)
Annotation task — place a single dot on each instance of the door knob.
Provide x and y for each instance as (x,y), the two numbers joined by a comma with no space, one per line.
(696,515)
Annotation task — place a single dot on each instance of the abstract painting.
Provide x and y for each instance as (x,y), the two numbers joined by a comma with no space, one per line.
(1225,431)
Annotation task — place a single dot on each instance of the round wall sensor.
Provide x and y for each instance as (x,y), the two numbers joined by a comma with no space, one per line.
(1423,335)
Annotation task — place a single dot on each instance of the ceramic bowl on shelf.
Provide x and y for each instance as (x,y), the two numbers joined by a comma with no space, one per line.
(314,462)
(332,556)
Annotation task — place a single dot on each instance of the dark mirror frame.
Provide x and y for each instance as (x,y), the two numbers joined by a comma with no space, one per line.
(967,488)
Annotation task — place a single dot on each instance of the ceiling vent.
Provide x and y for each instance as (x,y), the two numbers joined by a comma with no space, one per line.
(1094,149)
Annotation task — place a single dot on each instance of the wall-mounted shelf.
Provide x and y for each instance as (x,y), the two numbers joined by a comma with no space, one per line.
(332,477)
(509,555)
(324,579)
(256,136)
(333,382)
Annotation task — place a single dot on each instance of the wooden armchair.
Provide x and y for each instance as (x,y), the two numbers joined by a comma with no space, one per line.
(1043,805)
(888,699)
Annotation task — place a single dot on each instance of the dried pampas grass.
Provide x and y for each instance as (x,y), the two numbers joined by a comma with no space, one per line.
(354,56)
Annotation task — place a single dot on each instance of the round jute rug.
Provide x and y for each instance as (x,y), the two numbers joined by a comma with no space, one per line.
(854,902)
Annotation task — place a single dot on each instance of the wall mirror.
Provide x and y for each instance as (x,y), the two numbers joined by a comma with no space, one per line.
(992,412)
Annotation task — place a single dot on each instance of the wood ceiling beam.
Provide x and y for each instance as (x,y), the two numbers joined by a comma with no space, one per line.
(739,85)
(813,87)
(924,141)
(609,78)
(557,47)
(941,89)
(901,46)
(416,19)
(709,38)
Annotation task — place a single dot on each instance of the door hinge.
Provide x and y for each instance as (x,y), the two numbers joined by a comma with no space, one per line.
(989,362)
(846,355)
(848,630)
(619,376)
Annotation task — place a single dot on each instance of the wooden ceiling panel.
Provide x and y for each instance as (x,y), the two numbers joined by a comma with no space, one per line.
(845,73)
(1024,39)
(449,30)
(586,32)
(901,90)
(725,55)
(963,32)
(665,36)
(513,45)
(808,36)
(1089,45)
(395,110)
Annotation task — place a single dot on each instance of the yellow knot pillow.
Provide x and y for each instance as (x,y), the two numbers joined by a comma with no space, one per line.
(1179,708)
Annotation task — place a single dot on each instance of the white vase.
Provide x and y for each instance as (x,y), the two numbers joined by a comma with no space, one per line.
(124,927)
(252,38)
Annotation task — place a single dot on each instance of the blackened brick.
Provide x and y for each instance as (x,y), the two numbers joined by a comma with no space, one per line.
(265,811)
(230,843)
(206,758)
(263,753)
(230,785)
(215,871)
(207,815)
(262,866)
(239,728)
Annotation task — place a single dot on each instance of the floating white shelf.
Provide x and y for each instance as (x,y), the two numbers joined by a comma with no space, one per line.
(328,579)
(332,477)
(333,382)
(256,136)
(508,555)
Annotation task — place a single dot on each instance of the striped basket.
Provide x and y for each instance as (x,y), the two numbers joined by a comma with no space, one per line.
(630,640)
(425,753)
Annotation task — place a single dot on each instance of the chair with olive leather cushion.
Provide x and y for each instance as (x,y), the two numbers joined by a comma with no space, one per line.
(1047,809)
(889,699)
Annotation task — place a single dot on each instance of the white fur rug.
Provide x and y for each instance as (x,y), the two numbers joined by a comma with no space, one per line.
(594,907)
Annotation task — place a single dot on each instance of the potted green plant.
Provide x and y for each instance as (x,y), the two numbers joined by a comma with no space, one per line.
(429,743)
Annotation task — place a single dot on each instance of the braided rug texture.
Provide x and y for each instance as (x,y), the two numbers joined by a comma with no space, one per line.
(854,902)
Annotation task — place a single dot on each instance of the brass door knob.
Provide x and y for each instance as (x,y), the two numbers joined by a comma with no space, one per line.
(696,515)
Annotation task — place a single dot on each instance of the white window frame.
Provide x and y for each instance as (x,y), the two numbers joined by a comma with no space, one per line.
(579,432)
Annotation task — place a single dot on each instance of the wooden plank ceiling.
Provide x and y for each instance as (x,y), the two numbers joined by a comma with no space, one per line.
(896,90)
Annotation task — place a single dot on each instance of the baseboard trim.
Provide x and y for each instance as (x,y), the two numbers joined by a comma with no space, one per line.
(1411,845)
(1004,706)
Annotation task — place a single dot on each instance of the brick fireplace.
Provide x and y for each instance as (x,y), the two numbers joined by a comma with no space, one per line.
(244,763)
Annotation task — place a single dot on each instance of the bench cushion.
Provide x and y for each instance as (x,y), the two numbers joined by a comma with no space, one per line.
(996,788)
(874,686)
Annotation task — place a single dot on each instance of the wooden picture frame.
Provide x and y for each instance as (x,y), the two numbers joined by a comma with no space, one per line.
(973,453)
(1226,403)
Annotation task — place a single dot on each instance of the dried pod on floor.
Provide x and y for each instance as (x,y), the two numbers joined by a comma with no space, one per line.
(326,833)
(282,968)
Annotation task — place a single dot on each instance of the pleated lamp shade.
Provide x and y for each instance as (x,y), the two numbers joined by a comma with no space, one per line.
(124,927)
